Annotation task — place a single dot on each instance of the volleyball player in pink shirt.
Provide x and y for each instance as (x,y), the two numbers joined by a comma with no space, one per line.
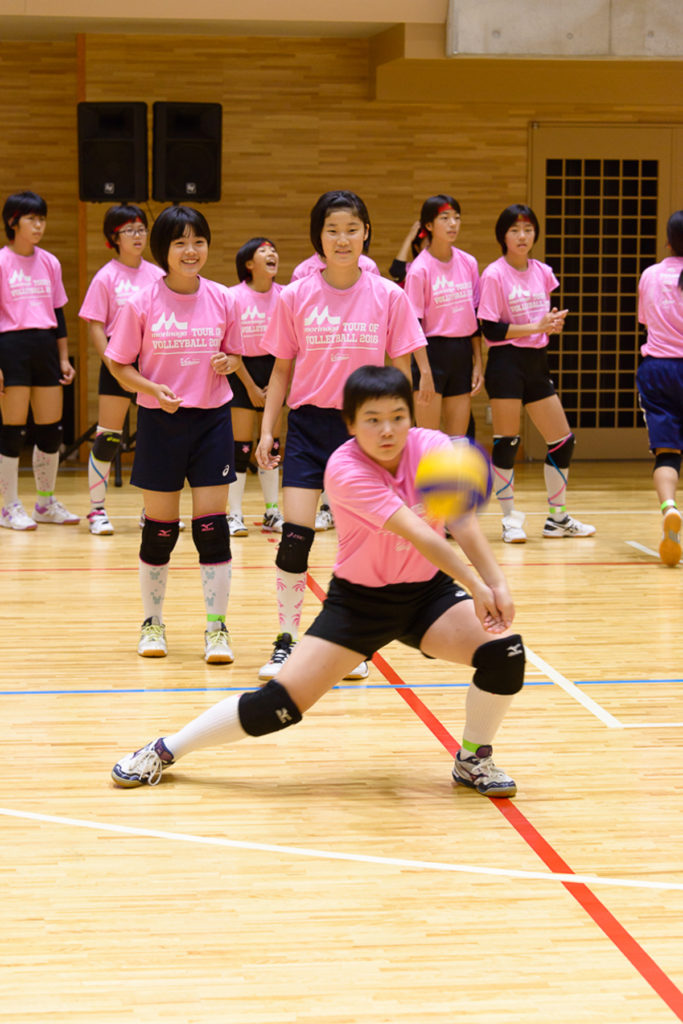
(442,283)
(123,277)
(34,362)
(396,577)
(516,320)
(182,333)
(660,380)
(255,298)
(325,325)
(317,262)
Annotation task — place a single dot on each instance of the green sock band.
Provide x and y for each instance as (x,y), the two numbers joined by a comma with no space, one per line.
(556,509)
(471,748)
(215,618)
(271,504)
(669,503)
(44,494)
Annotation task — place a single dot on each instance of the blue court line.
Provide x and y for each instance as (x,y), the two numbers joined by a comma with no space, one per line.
(371,686)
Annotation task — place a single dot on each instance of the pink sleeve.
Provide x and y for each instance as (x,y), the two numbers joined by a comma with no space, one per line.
(491,306)
(126,339)
(404,333)
(415,289)
(280,339)
(96,302)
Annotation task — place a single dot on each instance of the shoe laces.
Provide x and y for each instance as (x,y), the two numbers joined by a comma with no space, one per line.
(148,765)
(152,630)
(217,638)
(282,650)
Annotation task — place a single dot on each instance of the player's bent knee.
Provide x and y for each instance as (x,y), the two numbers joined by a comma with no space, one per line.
(267,710)
(243,451)
(158,540)
(11,440)
(504,451)
(48,437)
(295,545)
(499,665)
(211,536)
(672,459)
(106,446)
(560,452)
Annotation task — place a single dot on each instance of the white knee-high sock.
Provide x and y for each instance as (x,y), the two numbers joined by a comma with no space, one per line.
(216,580)
(45,466)
(9,479)
(484,713)
(504,486)
(236,494)
(270,483)
(218,724)
(153,580)
(291,588)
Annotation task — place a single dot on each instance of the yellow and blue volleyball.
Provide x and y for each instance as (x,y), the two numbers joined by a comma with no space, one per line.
(452,482)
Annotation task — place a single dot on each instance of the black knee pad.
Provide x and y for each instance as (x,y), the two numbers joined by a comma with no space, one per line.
(295,544)
(11,440)
(267,710)
(505,451)
(106,445)
(499,665)
(671,459)
(243,455)
(560,452)
(48,437)
(275,450)
(211,536)
(158,541)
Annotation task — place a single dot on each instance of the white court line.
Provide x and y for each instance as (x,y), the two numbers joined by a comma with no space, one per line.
(641,547)
(652,725)
(573,690)
(358,858)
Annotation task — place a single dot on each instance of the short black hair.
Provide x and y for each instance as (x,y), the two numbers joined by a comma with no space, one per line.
(338,199)
(246,253)
(430,210)
(510,216)
(369,382)
(171,224)
(18,205)
(674,236)
(116,217)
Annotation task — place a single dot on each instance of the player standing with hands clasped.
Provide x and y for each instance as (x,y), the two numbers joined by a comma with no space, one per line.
(516,320)
(393,580)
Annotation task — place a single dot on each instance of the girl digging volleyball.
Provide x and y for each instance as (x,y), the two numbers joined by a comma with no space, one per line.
(124,276)
(516,320)
(660,379)
(255,298)
(181,330)
(442,283)
(393,580)
(325,325)
(34,362)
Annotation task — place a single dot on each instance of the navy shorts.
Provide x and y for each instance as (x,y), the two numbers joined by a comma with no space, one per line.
(108,385)
(312,435)
(451,361)
(514,372)
(30,358)
(364,619)
(660,391)
(192,444)
(260,368)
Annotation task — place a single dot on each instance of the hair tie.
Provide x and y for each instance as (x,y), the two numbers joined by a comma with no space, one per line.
(422,233)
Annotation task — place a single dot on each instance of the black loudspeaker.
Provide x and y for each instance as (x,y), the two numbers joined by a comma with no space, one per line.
(112,152)
(187,152)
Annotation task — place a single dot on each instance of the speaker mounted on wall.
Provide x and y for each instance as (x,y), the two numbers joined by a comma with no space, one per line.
(112,152)
(187,152)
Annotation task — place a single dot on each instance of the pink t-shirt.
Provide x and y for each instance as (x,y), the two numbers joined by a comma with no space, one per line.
(30,290)
(174,336)
(331,332)
(445,296)
(363,496)
(254,313)
(112,286)
(517,297)
(316,262)
(660,308)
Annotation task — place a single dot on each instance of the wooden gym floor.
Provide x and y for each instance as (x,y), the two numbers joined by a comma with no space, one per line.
(332,874)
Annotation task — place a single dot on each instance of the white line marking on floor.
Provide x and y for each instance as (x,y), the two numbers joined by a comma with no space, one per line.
(358,858)
(641,547)
(573,690)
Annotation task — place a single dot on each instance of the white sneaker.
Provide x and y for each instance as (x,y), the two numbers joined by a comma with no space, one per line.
(15,517)
(152,643)
(98,521)
(273,520)
(477,771)
(324,519)
(670,545)
(567,527)
(217,650)
(359,672)
(144,766)
(512,528)
(282,648)
(54,512)
(237,525)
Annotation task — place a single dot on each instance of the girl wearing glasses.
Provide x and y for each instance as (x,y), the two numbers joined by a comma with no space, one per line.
(126,274)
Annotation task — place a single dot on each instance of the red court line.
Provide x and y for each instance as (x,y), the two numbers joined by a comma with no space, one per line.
(650,971)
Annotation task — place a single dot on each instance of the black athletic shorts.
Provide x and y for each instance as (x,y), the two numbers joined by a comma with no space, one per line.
(364,619)
(192,444)
(108,385)
(260,368)
(514,372)
(312,435)
(451,361)
(30,358)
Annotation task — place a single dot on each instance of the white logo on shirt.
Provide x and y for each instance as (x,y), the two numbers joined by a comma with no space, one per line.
(19,277)
(166,323)
(320,318)
(125,288)
(252,314)
(517,292)
(189,361)
(442,282)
